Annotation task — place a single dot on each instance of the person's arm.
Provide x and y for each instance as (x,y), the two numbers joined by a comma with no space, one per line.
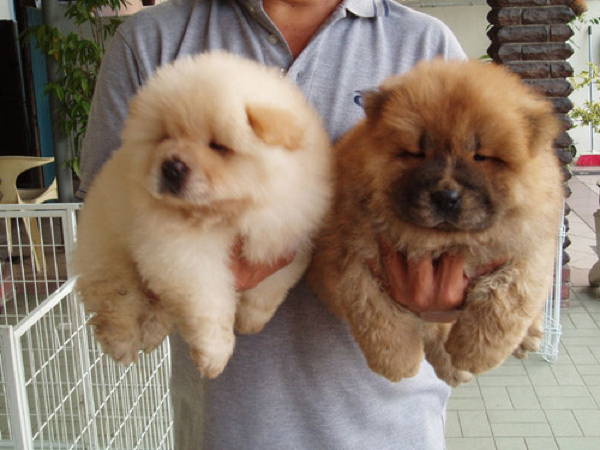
(118,80)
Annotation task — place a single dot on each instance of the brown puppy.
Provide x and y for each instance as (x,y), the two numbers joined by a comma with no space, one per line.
(453,158)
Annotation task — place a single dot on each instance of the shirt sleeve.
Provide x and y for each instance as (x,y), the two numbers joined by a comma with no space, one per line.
(118,80)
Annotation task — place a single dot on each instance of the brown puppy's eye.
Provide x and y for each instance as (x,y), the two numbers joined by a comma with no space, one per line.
(479,158)
(219,148)
(404,154)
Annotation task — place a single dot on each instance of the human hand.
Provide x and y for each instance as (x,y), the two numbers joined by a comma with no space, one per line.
(432,289)
(248,275)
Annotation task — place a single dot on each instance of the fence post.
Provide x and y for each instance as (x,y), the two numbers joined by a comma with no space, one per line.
(18,407)
(77,318)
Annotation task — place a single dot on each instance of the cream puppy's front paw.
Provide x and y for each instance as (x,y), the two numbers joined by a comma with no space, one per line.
(250,320)
(212,357)
(122,343)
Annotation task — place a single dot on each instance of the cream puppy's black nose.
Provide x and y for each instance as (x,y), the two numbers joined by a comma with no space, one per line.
(174,173)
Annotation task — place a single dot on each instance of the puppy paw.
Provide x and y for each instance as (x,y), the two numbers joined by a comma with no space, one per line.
(471,351)
(153,333)
(119,342)
(454,377)
(250,320)
(211,359)
(393,364)
(530,343)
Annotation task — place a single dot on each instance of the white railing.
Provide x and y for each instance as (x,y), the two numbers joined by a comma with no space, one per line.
(57,389)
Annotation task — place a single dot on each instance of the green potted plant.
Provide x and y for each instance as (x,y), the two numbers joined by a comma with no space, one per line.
(77,56)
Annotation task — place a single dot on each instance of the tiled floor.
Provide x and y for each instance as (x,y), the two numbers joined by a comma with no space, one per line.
(532,404)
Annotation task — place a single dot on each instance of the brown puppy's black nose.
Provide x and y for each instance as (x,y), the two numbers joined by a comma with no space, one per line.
(174,173)
(446,199)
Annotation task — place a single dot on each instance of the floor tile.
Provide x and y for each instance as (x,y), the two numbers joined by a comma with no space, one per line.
(496,397)
(563,423)
(517,416)
(542,375)
(581,355)
(589,421)
(466,392)
(589,369)
(474,424)
(470,444)
(591,380)
(510,444)
(561,391)
(567,375)
(452,425)
(517,380)
(567,403)
(523,397)
(465,403)
(581,443)
(534,443)
(521,429)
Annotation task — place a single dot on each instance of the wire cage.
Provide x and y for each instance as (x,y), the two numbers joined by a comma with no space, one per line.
(57,389)
(552,329)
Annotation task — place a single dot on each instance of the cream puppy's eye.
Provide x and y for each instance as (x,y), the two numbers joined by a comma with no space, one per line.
(219,148)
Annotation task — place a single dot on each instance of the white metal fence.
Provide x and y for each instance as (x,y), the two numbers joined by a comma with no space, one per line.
(552,328)
(57,389)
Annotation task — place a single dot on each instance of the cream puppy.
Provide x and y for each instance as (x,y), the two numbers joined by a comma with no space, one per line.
(215,147)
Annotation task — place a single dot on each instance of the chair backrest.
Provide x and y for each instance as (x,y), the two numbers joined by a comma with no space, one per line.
(10,168)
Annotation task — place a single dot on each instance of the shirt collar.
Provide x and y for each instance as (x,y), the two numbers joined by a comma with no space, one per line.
(367,8)
(360,8)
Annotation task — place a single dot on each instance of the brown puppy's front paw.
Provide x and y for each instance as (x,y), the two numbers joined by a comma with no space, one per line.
(122,343)
(530,343)
(453,376)
(394,364)
(470,349)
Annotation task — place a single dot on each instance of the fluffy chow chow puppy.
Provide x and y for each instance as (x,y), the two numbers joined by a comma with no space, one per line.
(453,159)
(214,148)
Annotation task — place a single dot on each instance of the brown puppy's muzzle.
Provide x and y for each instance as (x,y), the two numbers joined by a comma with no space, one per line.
(446,201)
(445,198)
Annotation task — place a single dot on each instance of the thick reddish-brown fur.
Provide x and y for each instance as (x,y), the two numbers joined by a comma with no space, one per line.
(467,127)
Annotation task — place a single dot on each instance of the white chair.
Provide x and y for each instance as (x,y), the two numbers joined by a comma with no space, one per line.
(10,168)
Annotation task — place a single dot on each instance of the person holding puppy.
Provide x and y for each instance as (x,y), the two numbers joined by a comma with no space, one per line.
(302,382)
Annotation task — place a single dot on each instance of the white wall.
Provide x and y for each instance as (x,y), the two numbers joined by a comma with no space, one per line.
(581,134)
(7,10)
(469,22)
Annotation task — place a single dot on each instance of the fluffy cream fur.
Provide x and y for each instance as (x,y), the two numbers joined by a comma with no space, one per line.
(474,129)
(154,256)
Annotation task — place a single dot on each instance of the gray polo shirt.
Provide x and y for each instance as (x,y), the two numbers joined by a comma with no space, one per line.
(302,383)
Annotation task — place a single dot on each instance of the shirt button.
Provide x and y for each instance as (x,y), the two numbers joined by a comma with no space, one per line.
(273,39)
(252,9)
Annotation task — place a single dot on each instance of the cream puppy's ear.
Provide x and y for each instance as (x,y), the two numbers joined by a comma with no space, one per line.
(275,126)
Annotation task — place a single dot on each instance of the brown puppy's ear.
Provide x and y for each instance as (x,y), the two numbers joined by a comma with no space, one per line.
(275,126)
(373,102)
(544,126)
